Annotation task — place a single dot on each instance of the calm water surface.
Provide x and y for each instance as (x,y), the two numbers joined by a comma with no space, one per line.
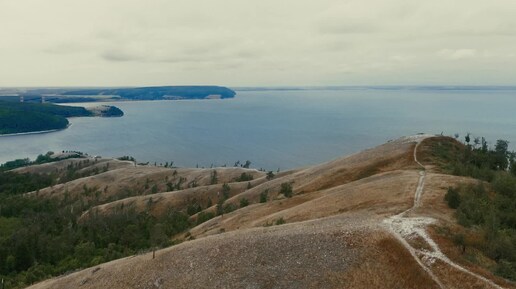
(276,129)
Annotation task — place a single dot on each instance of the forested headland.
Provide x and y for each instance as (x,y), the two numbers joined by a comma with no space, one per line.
(21,117)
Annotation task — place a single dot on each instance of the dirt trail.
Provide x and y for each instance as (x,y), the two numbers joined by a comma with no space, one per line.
(405,228)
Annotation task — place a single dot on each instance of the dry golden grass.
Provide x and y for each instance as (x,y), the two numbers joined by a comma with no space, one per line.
(388,265)
(140,180)
(456,279)
(334,236)
(426,149)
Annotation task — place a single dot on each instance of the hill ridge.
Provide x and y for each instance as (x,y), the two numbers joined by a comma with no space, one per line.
(367,220)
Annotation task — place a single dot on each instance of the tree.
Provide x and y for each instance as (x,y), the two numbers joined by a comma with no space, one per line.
(484,145)
(226,189)
(502,154)
(476,141)
(214,178)
(158,238)
(270,175)
(467,138)
(247,164)
(220,207)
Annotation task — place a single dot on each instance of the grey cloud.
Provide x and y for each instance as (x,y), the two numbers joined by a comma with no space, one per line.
(65,48)
(343,26)
(291,42)
(119,56)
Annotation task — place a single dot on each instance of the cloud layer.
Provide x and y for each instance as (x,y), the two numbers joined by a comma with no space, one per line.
(243,43)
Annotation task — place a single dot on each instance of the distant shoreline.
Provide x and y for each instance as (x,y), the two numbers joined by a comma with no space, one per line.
(35,132)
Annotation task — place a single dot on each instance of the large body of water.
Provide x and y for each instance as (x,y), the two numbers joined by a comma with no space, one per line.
(276,129)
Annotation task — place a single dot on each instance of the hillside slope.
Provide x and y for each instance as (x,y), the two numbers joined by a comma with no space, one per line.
(369,220)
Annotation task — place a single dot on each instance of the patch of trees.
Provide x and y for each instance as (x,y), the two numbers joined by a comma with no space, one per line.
(14,183)
(40,238)
(487,209)
(127,158)
(475,159)
(244,177)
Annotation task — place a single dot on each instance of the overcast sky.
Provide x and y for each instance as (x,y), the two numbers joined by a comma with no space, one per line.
(257,43)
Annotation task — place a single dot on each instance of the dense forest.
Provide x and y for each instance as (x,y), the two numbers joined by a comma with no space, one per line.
(486,210)
(18,117)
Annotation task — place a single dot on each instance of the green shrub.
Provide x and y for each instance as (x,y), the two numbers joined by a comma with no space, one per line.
(286,190)
(264,196)
(244,177)
(244,202)
(229,208)
(452,197)
(280,221)
(204,216)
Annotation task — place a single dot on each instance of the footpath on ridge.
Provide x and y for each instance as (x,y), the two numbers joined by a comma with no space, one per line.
(405,228)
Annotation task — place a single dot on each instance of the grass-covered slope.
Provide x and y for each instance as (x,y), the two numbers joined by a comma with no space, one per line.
(322,226)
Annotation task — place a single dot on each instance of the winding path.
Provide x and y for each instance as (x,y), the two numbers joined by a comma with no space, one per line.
(405,228)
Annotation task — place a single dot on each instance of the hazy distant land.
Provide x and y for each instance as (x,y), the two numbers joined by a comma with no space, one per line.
(68,95)
(24,110)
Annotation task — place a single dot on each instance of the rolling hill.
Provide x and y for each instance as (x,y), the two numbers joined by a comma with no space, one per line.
(375,219)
